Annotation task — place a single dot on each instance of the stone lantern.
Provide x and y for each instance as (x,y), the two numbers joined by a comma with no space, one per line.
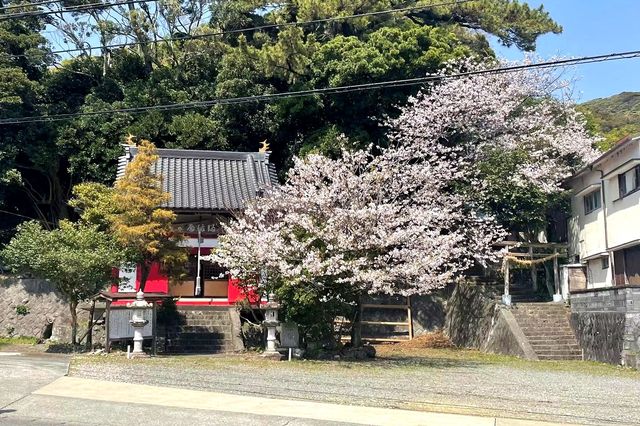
(138,322)
(271,322)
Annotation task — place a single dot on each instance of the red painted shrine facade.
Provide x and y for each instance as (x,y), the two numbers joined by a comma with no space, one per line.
(206,187)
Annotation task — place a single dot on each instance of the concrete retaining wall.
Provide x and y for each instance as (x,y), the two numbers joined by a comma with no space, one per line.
(476,320)
(470,314)
(607,324)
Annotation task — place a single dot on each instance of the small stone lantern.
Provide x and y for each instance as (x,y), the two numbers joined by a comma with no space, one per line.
(271,322)
(138,322)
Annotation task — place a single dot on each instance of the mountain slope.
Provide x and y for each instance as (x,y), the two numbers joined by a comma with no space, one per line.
(614,117)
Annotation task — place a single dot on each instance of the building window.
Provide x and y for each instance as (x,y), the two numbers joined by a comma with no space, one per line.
(605,263)
(629,181)
(592,201)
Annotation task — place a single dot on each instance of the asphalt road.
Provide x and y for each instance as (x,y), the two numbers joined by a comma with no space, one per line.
(20,375)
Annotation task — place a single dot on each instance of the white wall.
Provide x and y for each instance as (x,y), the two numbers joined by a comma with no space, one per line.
(587,232)
(587,235)
(596,276)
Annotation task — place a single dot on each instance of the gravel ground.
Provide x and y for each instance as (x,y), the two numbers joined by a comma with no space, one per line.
(434,384)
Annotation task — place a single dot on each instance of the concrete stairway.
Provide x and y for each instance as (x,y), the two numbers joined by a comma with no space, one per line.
(547,328)
(201,331)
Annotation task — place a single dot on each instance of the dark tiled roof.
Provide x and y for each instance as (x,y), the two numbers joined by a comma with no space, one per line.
(208,180)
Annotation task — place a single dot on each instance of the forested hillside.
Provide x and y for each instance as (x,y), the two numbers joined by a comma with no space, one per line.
(614,117)
(151,54)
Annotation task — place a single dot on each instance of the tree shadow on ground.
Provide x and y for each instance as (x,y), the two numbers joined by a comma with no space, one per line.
(412,361)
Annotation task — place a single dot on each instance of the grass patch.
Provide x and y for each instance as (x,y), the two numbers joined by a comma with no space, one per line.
(401,360)
(477,357)
(17,340)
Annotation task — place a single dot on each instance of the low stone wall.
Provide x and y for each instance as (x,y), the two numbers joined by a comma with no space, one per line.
(32,307)
(607,324)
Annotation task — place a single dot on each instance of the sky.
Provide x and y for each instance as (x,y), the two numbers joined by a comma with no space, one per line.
(592,27)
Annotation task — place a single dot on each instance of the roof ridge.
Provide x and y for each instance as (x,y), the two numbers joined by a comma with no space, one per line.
(204,153)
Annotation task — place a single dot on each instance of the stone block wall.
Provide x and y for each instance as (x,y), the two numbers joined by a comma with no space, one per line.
(607,324)
(32,307)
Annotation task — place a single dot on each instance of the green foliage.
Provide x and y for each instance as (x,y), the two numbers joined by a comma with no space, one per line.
(139,224)
(314,308)
(94,202)
(517,207)
(76,258)
(22,310)
(41,162)
(614,118)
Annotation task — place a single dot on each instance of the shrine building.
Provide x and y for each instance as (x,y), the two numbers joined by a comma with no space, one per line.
(207,188)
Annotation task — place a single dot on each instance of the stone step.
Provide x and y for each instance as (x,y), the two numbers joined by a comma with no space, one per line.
(533,311)
(181,340)
(560,357)
(197,329)
(554,347)
(563,320)
(547,331)
(540,311)
(199,350)
(545,352)
(568,340)
(543,325)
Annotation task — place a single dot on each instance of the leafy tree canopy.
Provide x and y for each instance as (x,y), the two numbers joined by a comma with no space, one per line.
(76,258)
(41,162)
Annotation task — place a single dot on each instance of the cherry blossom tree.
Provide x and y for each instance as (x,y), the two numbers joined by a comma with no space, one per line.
(406,218)
(530,112)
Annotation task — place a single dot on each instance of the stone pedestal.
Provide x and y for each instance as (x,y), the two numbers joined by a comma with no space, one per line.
(138,322)
(506,299)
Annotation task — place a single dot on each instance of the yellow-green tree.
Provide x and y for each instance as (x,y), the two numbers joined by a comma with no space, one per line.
(140,224)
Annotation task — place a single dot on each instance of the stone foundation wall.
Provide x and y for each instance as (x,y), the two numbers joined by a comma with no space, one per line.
(607,324)
(32,307)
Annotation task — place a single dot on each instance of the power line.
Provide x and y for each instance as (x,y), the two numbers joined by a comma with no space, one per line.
(327,90)
(262,27)
(24,5)
(78,8)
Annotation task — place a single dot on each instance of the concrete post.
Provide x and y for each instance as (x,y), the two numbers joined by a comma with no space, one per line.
(506,297)
(557,296)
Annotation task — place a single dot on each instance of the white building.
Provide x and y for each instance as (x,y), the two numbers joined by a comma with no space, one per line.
(604,230)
